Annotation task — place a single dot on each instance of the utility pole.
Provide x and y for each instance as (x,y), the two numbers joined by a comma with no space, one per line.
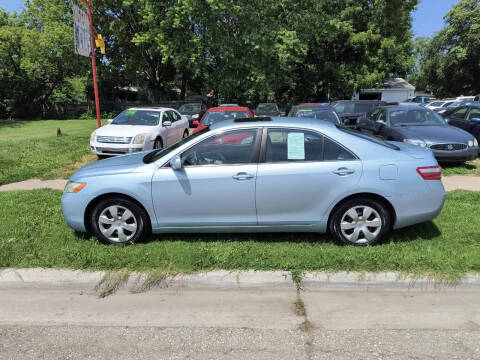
(94,64)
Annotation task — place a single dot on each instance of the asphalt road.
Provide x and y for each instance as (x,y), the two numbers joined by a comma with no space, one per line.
(71,322)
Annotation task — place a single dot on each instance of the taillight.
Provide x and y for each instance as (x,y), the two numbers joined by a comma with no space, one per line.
(430,172)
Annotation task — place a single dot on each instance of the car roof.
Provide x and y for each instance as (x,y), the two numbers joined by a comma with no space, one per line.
(228,108)
(313,105)
(273,122)
(150,108)
(358,101)
(404,107)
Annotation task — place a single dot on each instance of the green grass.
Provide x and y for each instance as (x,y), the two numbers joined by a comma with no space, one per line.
(33,234)
(470,167)
(31,149)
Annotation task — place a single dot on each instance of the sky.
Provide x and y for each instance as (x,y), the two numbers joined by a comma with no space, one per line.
(427,20)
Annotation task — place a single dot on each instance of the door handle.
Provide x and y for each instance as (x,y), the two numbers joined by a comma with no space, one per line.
(343,171)
(242,176)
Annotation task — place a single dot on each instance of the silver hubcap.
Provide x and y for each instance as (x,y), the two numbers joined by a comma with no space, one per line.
(117,223)
(361,224)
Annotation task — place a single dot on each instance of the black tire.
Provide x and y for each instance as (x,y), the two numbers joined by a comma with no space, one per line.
(185,134)
(345,236)
(140,221)
(158,143)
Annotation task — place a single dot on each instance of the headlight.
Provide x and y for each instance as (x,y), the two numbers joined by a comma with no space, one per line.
(92,137)
(195,116)
(415,142)
(139,139)
(74,187)
(475,142)
(470,143)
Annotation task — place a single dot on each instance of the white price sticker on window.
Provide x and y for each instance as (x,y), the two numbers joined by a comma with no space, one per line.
(296,146)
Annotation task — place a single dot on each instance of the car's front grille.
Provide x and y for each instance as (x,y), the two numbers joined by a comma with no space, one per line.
(112,151)
(114,139)
(448,147)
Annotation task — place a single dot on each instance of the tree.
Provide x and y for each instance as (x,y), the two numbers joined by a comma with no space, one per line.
(37,63)
(451,61)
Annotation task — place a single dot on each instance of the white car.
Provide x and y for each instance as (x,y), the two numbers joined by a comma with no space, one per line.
(439,104)
(139,129)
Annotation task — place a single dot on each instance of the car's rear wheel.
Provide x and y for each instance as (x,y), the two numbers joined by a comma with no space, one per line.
(119,221)
(360,222)
(158,144)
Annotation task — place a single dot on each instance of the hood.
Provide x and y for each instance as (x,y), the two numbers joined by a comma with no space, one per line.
(123,130)
(435,134)
(115,165)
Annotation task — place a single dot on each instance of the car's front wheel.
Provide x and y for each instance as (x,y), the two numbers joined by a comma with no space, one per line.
(360,222)
(119,221)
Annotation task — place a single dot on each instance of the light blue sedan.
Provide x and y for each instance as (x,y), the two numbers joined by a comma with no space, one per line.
(259,175)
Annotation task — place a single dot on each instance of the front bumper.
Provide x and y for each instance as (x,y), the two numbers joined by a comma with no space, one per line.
(111,149)
(468,154)
(73,208)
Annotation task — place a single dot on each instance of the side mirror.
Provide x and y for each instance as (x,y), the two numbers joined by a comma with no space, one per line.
(475,119)
(176,163)
(110,121)
(167,123)
(381,122)
(195,123)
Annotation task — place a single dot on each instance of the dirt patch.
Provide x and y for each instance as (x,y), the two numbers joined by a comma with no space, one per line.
(461,182)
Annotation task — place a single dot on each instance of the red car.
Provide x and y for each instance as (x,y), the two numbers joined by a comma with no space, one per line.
(217,114)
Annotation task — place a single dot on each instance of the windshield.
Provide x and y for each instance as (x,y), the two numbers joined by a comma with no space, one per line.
(137,117)
(317,113)
(157,154)
(267,108)
(216,116)
(456,104)
(190,108)
(416,118)
(371,138)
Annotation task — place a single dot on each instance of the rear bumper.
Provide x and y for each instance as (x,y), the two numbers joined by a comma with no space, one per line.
(456,156)
(416,208)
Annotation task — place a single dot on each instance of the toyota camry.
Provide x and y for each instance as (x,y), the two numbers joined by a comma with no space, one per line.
(276,175)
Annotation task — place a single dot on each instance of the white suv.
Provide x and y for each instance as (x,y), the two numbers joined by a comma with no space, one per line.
(139,129)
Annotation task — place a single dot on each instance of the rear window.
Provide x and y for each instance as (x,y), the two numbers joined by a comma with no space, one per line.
(344,108)
(370,138)
(363,107)
(213,117)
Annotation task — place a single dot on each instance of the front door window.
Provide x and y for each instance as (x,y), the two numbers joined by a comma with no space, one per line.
(227,148)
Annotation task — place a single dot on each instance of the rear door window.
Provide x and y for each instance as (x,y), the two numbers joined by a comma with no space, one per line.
(460,113)
(474,113)
(294,145)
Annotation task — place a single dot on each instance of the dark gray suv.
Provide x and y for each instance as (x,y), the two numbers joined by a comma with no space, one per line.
(350,110)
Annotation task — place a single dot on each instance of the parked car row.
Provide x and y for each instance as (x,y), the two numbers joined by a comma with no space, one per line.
(453,138)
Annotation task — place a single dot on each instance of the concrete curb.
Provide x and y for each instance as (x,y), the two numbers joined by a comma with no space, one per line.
(222,279)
